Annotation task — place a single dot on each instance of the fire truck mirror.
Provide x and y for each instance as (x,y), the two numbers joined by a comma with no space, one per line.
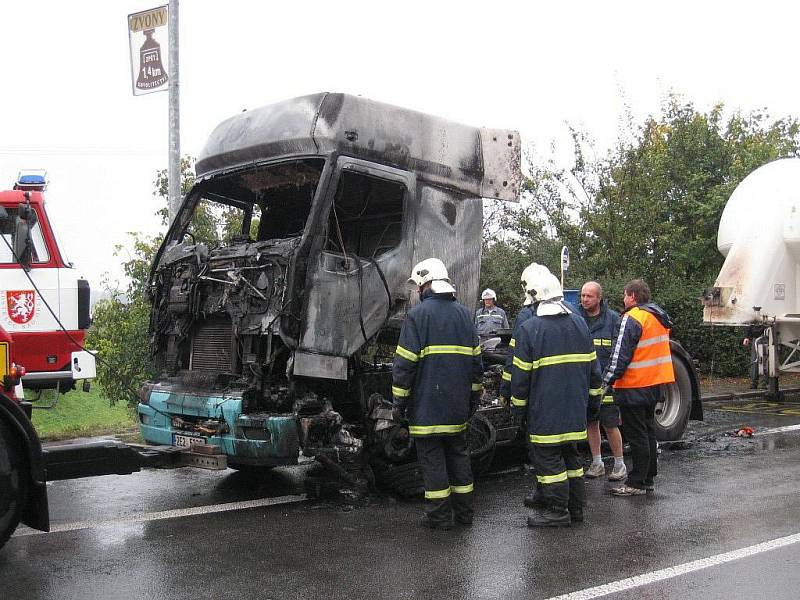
(23,244)
(28,214)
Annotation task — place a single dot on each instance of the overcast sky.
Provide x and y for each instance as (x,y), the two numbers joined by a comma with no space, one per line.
(67,104)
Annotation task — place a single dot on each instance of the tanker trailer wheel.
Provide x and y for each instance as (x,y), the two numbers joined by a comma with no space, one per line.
(13,482)
(672,412)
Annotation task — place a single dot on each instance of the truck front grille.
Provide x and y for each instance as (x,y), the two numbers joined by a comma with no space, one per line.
(212,346)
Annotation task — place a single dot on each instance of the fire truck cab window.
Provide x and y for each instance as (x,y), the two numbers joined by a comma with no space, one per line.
(8,229)
(366,218)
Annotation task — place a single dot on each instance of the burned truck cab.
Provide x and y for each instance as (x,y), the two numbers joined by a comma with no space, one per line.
(280,288)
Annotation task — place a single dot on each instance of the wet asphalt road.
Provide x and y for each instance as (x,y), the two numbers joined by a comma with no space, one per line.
(715,494)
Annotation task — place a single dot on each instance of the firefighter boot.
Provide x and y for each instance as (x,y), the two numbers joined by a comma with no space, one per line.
(535,500)
(550,517)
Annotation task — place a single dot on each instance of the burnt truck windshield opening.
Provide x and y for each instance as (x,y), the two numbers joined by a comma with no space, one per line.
(367,216)
(257,205)
(219,296)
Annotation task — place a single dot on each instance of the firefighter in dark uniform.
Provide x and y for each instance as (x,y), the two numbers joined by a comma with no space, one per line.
(523,315)
(555,378)
(437,379)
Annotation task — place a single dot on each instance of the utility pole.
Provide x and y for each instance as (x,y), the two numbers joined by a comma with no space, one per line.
(174,171)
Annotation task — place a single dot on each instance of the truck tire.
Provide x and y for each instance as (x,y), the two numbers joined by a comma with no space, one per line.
(672,413)
(406,479)
(13,482)
(482,443)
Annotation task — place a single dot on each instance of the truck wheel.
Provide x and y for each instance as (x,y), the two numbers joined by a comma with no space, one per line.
(672,412)
(482,443)
(13,483)
(405,480)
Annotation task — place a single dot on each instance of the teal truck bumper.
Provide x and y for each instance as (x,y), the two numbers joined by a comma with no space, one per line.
(182,418)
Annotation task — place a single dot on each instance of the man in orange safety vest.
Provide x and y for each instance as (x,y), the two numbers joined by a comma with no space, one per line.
(641,363)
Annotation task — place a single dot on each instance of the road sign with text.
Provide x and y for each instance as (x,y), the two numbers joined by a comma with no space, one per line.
(149,42)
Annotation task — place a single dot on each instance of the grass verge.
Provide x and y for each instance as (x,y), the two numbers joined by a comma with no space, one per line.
(80,414)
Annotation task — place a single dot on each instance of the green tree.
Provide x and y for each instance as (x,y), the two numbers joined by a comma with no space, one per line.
(120,323)
(650,208)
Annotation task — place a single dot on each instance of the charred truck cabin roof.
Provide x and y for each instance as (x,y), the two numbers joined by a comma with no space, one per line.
(327,201)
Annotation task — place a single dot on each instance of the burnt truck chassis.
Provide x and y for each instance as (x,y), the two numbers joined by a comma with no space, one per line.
(279,338)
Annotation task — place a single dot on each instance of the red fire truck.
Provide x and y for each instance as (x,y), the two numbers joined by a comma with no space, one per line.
(44,303)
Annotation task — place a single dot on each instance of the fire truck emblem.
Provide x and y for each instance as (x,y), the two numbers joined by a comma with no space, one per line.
(21,305)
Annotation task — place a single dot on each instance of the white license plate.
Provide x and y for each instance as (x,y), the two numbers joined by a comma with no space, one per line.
(184,441)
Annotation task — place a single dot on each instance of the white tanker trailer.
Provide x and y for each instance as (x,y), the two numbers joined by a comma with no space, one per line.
(759,283)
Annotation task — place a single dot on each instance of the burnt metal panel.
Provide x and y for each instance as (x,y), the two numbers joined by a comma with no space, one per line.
(271,132)
(320,365)
(450,227)
(341,296)
(436,149)
(501,155)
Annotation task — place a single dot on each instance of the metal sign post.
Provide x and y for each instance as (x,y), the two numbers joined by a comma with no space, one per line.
(564,263)
(174,116)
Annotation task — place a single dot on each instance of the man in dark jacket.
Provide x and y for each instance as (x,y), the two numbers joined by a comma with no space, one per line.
(525,313)
(437,378)
(641,363)
(603,324)
(554,379)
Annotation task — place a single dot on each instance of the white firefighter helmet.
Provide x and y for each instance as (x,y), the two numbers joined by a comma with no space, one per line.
(488,293)
(542,287)
(433,270)
(540,284)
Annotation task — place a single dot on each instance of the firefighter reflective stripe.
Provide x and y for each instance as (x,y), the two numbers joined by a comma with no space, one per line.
(521,364)
(642,364)
(513,343)
(400,392)
(519,401)
(407,354)
(654,340)
(556,359)
(595,391)
(602,342)
(465,350)
(560,359)
(575,473)
(558,438)
(477,387)
(506,376)
(462,489)
(545,479)
(436,429)
(437,494)
(608,400)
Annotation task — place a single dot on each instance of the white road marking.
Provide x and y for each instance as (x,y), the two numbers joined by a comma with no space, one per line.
(678,570)
(777,430)
(169,514)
